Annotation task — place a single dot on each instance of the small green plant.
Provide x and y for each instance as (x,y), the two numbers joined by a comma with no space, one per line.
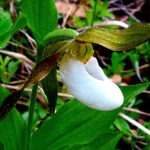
(98,10)
(7,68)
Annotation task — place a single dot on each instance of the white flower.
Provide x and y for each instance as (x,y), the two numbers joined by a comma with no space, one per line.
(88,83)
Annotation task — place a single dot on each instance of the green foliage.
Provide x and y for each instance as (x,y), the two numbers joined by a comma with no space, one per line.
(144,51)
(101,8)
(2,2)
(3,93)
(8,68)
(5,26)
(73,124)
(76,125)
(123,126)
(12,128)
(98,11)
(5,21)
(84,128)
(50,84)
(147,147)
(134,56)
(117,62)
(38,73)
(1,146)
(100,143)
(131,91)
(20,23)
(12,67)
(13,131)
(42,20)
(41,17)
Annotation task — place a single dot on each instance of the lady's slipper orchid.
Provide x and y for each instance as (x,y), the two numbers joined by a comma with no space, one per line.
(88,83)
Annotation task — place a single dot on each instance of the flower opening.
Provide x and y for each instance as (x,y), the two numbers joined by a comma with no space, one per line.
(88,83)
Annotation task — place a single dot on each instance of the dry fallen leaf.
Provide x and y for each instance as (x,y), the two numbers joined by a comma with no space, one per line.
(72,9)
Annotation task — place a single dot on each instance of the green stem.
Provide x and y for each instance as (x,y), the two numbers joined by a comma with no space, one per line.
(32,105)
(94,11)
(30,118)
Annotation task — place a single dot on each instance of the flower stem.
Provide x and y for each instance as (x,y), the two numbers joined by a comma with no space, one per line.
(30,118)
(32,105)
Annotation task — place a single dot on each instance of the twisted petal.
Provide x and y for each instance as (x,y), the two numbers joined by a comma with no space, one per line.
(88,83)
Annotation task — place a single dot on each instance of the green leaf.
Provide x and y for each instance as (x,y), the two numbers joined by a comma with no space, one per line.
(106,141)
(147,147)
(4,39)
(12,67)
(41,17)
(103,10)
(5,21)
(20,23)
(123,126)
(118,40)
(73,124)
(1,146)
(49,84)
(5,26)
(12,128)
(131,91)
(135,57)
(117,64)
(3,93)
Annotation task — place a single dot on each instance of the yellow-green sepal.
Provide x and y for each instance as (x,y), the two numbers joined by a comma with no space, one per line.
(117,40)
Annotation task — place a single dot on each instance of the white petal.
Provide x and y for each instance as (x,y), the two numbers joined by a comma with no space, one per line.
(90,85)
(94,69)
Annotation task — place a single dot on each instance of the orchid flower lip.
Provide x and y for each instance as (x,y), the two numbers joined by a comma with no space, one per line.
(88,83)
